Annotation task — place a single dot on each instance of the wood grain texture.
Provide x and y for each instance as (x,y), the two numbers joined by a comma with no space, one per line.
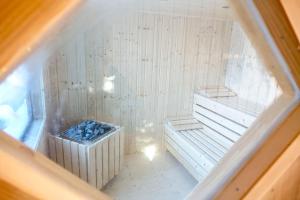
(9,191)
(292,9)
(24,24)
(272,148)
(17,159)
(274,16)
(105,162)
(247,172)
(157,60)
(152,62)
(282,180)
(282,32)
(99,165)
(233,167)
(247,75)
(85,160)
(195,148)
(92,165)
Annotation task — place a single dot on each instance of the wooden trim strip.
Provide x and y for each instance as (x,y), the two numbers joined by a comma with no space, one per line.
(282,32)
(265,156)
(19,164)
(291,8)
(25,24)
(278,171)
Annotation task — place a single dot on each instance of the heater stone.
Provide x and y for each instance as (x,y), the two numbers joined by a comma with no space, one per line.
(88,131)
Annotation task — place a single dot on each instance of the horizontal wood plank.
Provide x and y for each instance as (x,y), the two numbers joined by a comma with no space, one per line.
(224,110)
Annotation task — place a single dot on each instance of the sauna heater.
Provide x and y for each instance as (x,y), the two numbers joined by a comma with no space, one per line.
(91,150)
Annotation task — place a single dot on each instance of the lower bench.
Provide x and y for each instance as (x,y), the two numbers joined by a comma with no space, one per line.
(199,142)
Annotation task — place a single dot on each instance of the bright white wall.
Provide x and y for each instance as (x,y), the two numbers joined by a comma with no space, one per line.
(245,73)
(155,62)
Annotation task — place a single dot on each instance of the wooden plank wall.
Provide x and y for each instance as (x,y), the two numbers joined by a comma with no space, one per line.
(246,75)
(158,55)
(154,59)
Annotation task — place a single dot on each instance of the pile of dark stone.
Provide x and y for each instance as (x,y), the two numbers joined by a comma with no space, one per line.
(87,131)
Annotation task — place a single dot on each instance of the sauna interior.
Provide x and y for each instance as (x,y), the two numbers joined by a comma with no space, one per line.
(179,79)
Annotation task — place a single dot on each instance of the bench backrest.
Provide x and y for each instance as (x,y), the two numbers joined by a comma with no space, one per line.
(229,122)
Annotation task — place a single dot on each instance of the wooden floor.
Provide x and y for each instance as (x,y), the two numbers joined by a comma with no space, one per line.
(163,178)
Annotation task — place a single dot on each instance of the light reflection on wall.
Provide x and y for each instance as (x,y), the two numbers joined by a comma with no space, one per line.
(108,84)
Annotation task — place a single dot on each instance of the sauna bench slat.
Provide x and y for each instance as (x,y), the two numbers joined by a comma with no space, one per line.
(208,135)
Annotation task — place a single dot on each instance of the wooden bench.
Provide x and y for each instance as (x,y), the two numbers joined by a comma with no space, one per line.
(200,141)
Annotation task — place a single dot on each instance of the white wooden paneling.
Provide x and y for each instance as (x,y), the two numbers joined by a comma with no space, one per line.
(159,53)
(75,158)
(105,162)
(117,154)
(99,166)
(122,152)
(67,155)
(111,157)
(52,150)
(157,60)
(82,162)
(246,74)
(92,165)
(59,151)
(95,163)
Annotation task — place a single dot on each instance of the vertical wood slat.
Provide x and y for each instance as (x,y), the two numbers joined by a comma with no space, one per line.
(75,158)
(59,151)
(82,162)
(117,154)
(52,150)
(67,155)
(92,178)
(105,161)
(111,157)
(97,163)
(121,134)
(99,166)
